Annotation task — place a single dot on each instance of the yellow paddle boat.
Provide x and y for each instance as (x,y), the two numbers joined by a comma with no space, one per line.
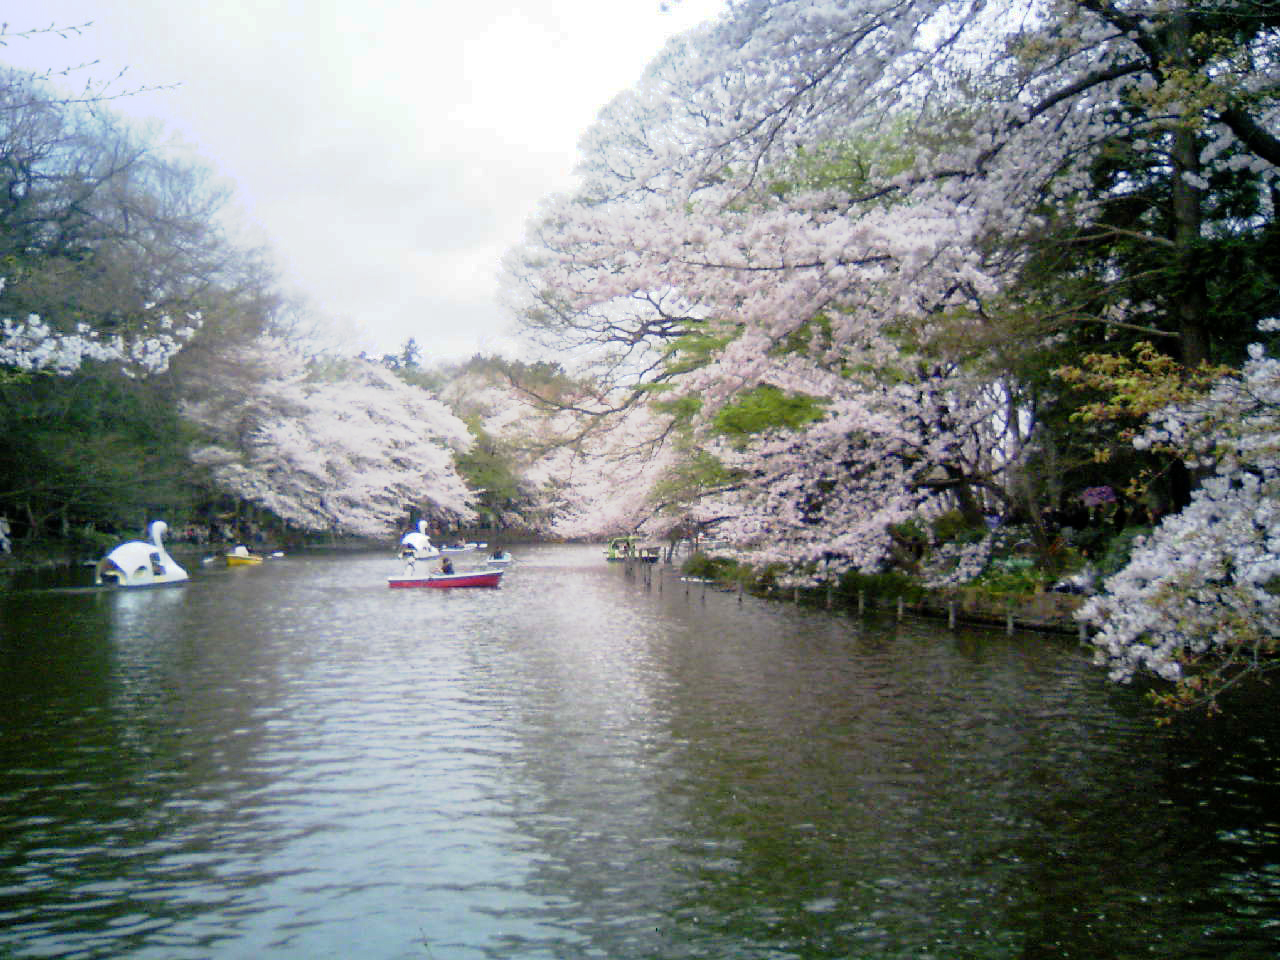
(241,557)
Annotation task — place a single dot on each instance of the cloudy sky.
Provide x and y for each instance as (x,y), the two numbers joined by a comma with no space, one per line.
(388,152)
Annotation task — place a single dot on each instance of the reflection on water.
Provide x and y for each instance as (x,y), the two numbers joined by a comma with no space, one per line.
(294,761)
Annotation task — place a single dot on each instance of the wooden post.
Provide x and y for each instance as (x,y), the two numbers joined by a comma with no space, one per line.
(862,601)
(828,596)
(899,609)
(1008,622)
(951,614)
(739,591)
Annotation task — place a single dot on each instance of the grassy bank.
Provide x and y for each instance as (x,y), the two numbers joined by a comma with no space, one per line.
(1017,602)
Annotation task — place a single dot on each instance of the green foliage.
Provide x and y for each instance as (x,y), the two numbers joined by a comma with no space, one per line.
(102,231)
(889,584)
(850,164)
(693,475)
(1092,541)
(810,337)
(910,539)
(1134,388)
(1118,549)
(954,527)
(92,448)
(1013,575)
(682,409)
(696,349)
(720,569)
(766,408)
(491,472)
(90,542)
(543,378)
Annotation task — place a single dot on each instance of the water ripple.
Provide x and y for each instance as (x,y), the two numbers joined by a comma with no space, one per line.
(294,761)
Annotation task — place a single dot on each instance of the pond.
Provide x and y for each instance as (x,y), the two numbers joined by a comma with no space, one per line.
(294,761)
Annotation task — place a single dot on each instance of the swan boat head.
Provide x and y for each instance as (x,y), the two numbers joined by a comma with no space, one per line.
(416,545)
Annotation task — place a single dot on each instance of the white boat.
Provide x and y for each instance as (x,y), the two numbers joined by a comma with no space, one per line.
(499,558)
(416,545)
(463,547)
(138,563)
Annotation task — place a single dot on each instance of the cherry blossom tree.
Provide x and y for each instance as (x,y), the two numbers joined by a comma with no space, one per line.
(1199,602)
(602,481)
(31,344)
(521,416)
(327,446)
(666,244)
(846,199)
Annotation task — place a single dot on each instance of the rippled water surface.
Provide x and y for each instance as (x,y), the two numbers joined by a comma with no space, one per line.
(295,761)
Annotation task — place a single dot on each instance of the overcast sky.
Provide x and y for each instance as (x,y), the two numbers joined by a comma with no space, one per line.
(388,152)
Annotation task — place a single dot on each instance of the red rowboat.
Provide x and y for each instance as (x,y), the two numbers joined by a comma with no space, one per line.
(477,578)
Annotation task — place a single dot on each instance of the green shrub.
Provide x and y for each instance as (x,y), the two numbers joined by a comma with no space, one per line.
(1092,541)
(909,532)
(891,584)
(953,527)
(707,567)
(1012,575)
(91,542)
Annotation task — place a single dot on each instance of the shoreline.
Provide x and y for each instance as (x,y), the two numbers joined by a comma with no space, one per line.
(1044,612)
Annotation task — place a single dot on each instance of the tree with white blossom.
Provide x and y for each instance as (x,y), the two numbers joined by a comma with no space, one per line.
(31,345)
(337,446)
(1199,602)
(910,212)
(110,248)
(795,221)
(515,412)
(600,483)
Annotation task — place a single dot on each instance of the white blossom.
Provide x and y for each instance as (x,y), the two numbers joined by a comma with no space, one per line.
(348,448)
(1207,581)
(33,345)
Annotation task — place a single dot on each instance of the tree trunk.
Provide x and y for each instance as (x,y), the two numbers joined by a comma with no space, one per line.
(965,499)
(1191,306)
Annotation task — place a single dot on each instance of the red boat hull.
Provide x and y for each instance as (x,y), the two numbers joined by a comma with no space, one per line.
(481,578)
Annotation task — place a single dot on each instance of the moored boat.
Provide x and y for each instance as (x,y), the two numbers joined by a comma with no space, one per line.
(471,578)
(631,548)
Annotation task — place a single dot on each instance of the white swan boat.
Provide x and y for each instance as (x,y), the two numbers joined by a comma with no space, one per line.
(138,563)
(416,545)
